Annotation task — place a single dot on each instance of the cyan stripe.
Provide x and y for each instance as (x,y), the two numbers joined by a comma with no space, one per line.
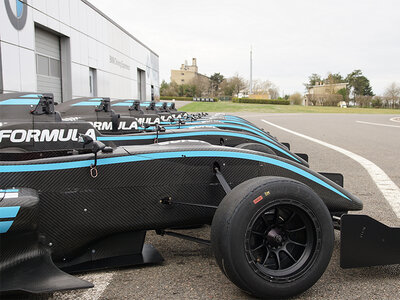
(32,96)
(9,191)
(5,226)
(233,122)
(20,8)
(243,124)
(96,99)
(20,102)
(9,212)
(123,104)
(87,103)
(168,155)
(193,134)
(224,125)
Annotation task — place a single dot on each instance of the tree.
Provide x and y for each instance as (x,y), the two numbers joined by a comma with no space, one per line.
(169,89)
(261,87)
(358,84)
(296,99)
(377,102)
(163,88)
(392,95)
(345,95)
(202,86)
(312,80)
(234,85)
(334,78)
(215,80)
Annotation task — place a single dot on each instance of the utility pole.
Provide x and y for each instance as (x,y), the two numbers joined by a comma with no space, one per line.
(251,70)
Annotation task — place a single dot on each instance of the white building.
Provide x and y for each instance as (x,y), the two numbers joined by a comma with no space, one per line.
(71,49)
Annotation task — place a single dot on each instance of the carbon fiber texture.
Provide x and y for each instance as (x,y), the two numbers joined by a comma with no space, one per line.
(76,209)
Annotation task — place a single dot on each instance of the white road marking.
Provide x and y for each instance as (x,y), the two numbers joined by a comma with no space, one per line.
(388,188)
(395,119)
(377,124)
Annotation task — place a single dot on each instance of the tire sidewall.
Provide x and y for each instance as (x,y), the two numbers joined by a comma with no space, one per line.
(235,263)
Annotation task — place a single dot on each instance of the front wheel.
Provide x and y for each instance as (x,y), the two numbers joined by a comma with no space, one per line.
(272,237)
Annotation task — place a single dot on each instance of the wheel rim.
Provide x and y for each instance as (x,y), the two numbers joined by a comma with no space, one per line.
(282,240)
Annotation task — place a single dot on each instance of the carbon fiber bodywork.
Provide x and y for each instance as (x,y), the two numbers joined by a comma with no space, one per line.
(59,131)
(133,201)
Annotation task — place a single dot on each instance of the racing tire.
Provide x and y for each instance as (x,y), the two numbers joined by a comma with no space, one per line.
(256,147)
(272,237)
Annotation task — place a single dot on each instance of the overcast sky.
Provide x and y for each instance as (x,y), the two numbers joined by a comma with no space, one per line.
(290,39)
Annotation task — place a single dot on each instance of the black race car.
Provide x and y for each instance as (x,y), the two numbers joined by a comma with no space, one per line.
(48,129)
(272,219)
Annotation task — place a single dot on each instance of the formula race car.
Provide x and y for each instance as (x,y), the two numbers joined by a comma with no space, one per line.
(47,129)
(272,219)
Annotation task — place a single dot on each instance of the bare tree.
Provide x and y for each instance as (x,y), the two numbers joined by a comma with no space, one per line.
(238,84)
(296,99)
(392,95)
(265,87)
(202,85)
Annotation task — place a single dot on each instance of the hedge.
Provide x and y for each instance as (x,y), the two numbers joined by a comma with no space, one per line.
(184,98)
(176,98)
(261,101)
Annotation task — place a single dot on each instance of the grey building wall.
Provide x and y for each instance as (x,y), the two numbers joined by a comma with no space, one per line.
(89,42)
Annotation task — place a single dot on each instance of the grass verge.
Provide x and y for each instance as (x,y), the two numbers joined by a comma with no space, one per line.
(270,108)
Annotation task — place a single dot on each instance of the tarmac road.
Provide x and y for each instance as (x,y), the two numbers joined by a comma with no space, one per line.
(189,270)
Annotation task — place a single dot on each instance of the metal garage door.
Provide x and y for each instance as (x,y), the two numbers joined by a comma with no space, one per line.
(48,66)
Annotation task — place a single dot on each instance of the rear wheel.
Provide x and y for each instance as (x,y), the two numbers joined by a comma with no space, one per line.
(272,237)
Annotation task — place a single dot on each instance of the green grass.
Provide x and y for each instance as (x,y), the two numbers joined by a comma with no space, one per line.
(271,108)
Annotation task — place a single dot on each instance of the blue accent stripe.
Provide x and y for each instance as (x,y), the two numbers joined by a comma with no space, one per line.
(9,212)
(193,134)
(123,104)
(20,102)
(169,155)
(32,96)
(9,191)
(20,8)
(87,103)
(96,99)
(233,122)
(243,124)
(223,125)
(5,226)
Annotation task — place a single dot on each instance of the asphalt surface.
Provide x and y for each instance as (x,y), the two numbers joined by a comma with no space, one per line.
(189,270)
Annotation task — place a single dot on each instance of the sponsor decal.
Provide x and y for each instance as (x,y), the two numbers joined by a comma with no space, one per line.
(17,12)
(258,199)
(166,118)
(41,136)
(71,119)
(124,125)
(148,121)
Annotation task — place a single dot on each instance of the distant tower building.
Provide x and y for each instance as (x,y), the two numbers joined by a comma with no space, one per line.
(187,73)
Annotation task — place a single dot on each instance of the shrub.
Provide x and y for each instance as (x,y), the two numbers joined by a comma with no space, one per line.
(176,98)
(163,98)
(261,101)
